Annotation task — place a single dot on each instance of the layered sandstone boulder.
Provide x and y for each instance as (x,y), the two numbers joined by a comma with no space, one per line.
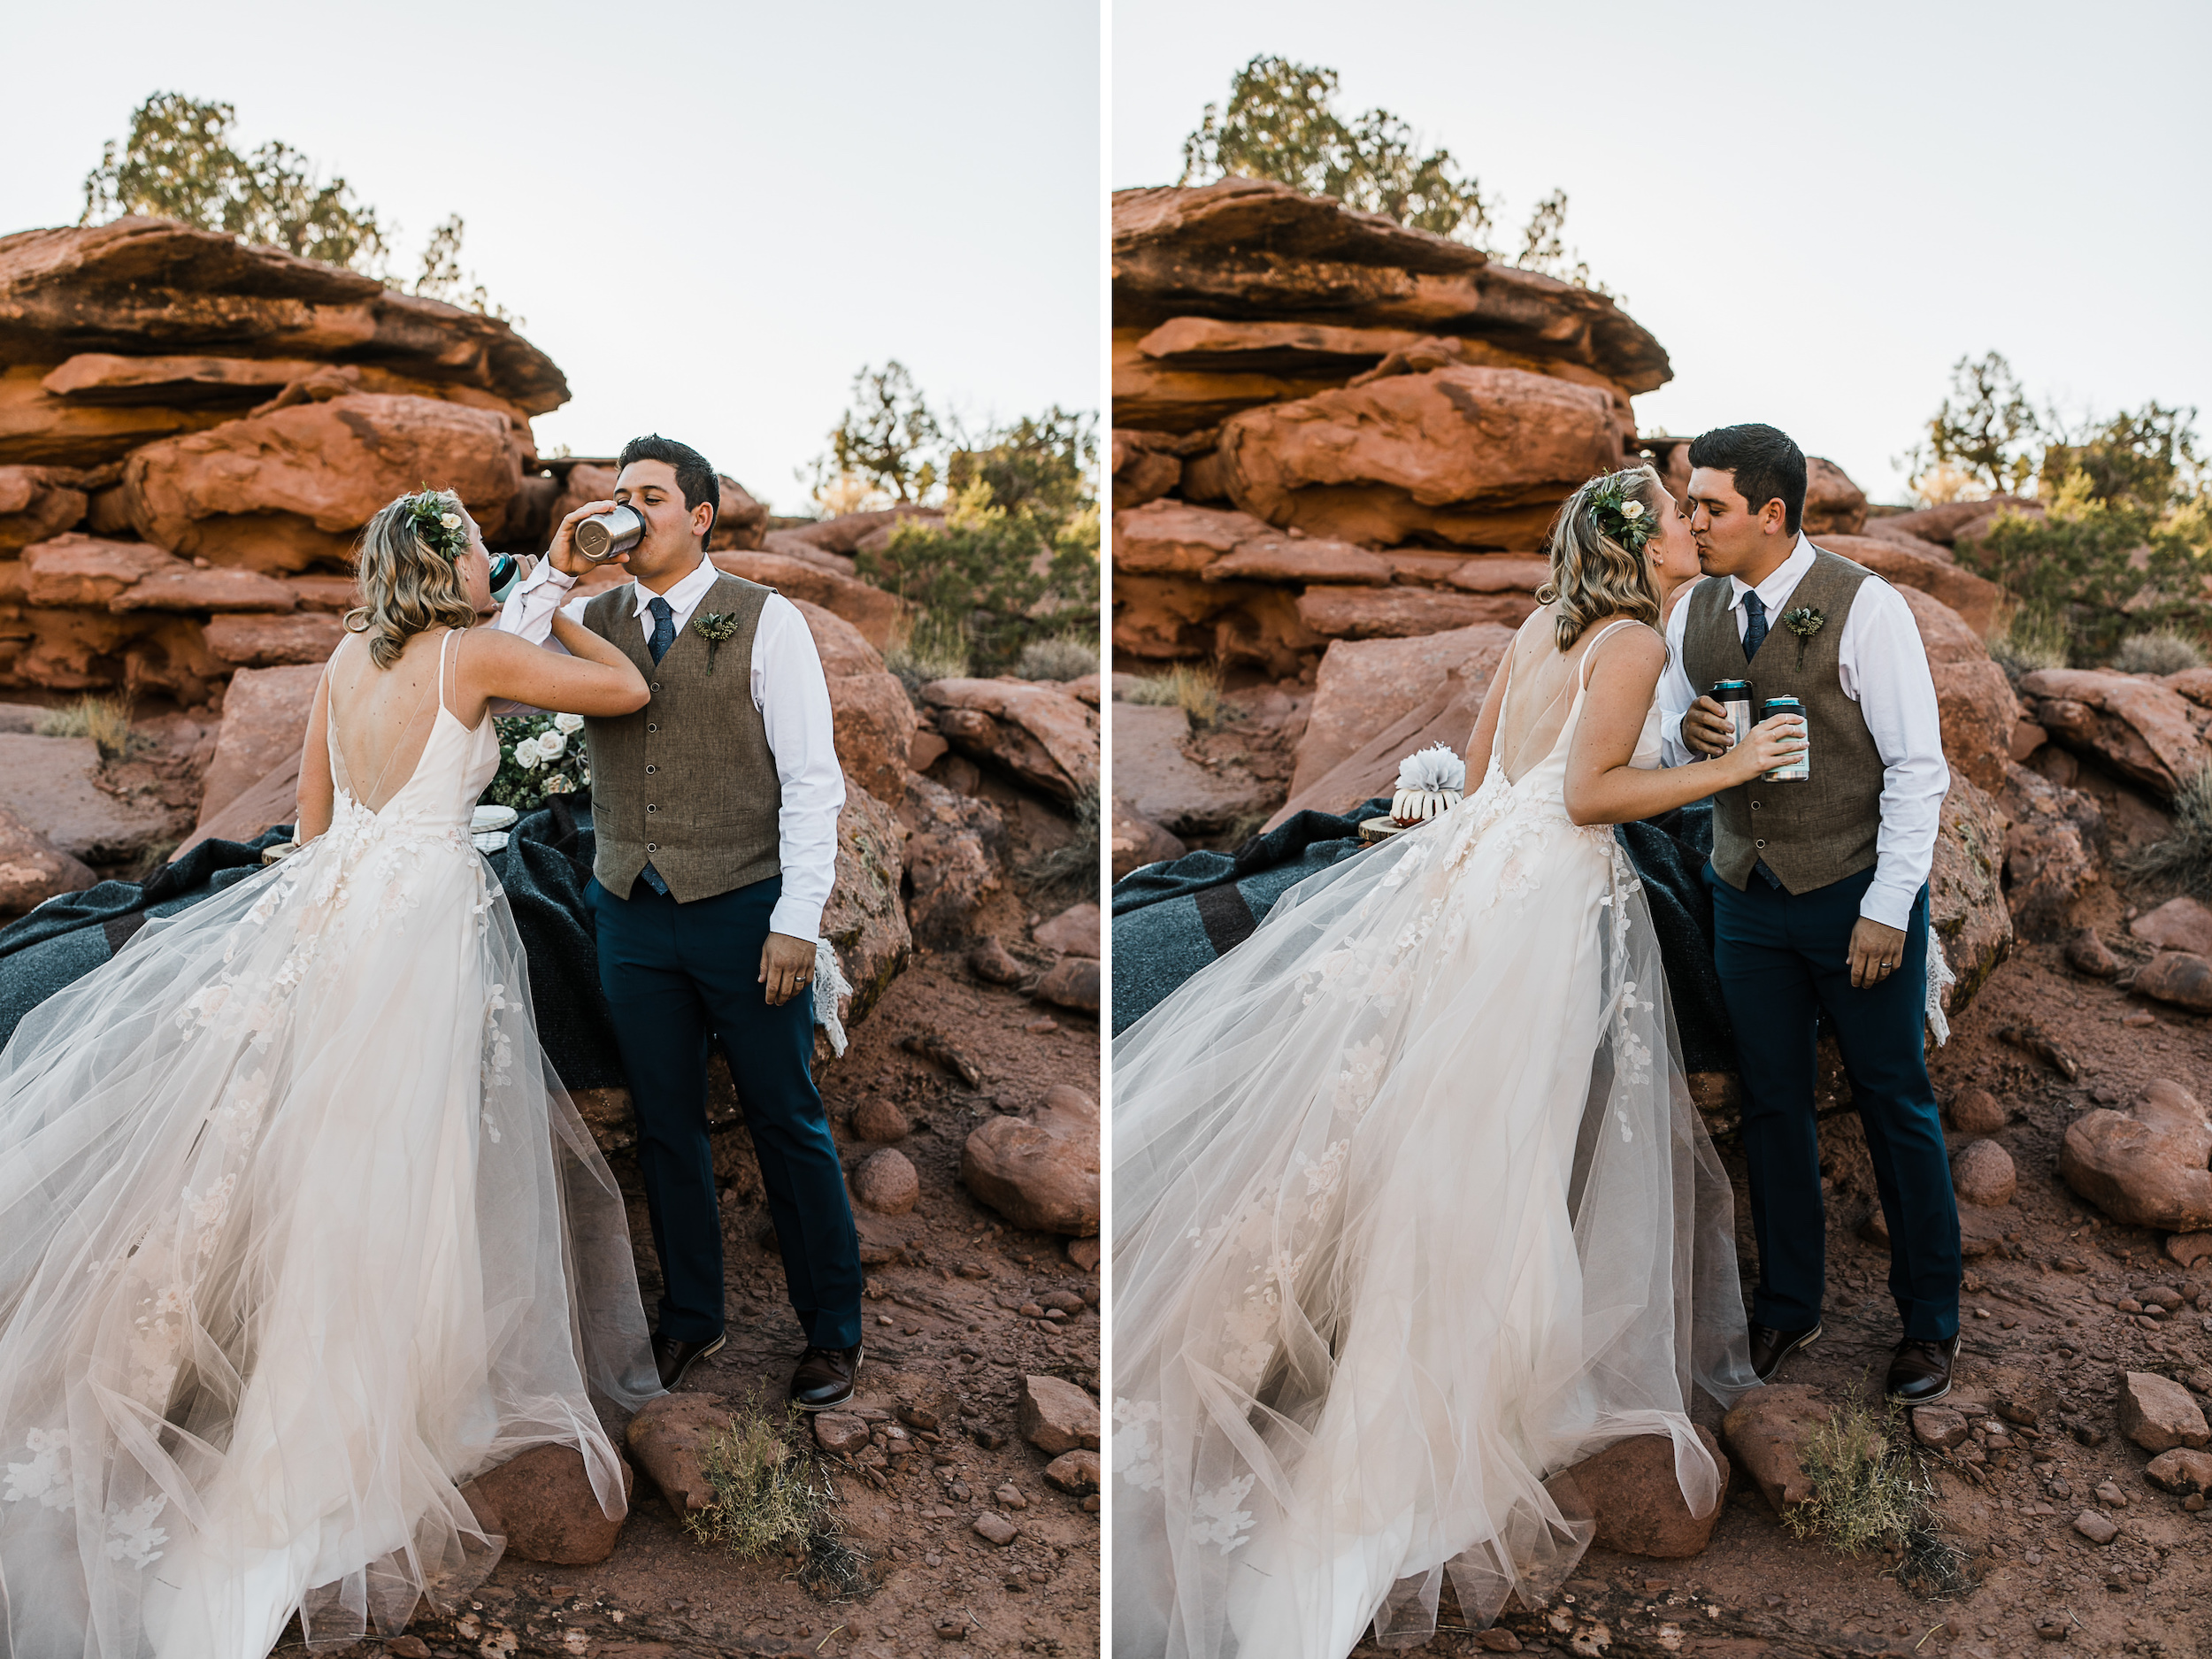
(2132,725)
(2145,1167)
(1979,602)
(1833,504)
(1045,737)
(1976,700)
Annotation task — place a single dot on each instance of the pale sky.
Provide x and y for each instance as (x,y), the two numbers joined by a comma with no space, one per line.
(1816,209)
(711,215)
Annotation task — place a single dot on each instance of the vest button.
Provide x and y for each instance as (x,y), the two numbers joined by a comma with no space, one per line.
(652,769)
(652,847)
(656,685)
(1754,843)
(1754,805)
(650,726)
(655,809)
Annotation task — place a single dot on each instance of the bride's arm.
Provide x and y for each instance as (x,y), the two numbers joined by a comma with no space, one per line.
(317,797)
(1602,788)
(588,676)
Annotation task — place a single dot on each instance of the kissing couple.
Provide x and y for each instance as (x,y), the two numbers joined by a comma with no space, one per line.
(1412,1209)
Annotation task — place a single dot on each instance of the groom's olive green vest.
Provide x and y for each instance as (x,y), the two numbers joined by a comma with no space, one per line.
(687,783)
(1809,831)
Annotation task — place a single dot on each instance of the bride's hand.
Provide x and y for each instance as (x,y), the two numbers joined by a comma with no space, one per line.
(1775,741)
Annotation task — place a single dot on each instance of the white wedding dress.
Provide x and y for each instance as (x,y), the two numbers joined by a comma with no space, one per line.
(1411,1211)
(298,1233)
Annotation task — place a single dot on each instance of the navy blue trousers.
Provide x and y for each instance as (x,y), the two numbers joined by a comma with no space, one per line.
(1783,957)
(680,976)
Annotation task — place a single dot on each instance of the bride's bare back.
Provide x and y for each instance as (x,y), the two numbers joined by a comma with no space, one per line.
(381,718)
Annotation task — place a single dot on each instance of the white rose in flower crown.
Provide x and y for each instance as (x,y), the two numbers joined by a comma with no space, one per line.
(450,520)
(526,755)
(551,744)
(570,723)
(1631,511)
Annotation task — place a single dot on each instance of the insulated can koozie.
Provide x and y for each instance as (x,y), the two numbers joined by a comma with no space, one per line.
(1735,696)
(1802,766)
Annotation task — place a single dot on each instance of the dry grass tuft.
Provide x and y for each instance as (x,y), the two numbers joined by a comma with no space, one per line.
(926,647)
(1195,687)
(2035,638)
(1073,866)
(2182,860)
(2166,651)
(773,1496)
(1064,656)
(105,721)
(1867,1489)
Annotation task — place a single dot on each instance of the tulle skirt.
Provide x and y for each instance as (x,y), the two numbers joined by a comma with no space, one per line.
(298,1233)
(1412,1211)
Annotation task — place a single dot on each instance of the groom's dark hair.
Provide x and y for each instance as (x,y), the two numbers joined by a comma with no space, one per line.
(694,476)
(1766,463)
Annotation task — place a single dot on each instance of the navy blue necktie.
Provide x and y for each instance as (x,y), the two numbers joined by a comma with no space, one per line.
(1754,625)
(665,627)
(664,636)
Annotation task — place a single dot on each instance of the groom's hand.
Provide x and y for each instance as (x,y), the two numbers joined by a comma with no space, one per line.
(786,967)
(563,553)
(1707,728)
(1876,952)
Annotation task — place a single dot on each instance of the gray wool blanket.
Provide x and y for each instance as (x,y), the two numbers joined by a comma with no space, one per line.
(1172,919)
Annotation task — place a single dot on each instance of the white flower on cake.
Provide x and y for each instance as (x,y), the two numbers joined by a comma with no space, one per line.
(569,724)
(1431,782)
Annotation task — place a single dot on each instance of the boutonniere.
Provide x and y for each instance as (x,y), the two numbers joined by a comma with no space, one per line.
(1804,622)
(714,627)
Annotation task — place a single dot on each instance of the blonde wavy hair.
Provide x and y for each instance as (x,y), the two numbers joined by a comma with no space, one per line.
(408,586)
(1593,577)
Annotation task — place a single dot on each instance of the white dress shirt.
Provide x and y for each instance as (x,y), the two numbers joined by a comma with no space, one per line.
(1882,667)
(793,697)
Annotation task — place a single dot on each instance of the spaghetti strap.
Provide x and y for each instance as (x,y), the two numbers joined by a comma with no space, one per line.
(1582,669)
(448,638)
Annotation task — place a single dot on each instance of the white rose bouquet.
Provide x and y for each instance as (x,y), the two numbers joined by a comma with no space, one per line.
(540,755)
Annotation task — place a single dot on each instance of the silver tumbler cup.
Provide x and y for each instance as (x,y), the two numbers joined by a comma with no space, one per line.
(609,535)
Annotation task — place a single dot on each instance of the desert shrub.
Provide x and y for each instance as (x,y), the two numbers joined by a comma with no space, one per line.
(2183,860)
(2166,651)
(1064,656)
(927,645)
(2035,638)
(1195,687)
(2110,568)
(105,721)
(1017,558)
(1071,868)
(771,1495)
(1866,1489)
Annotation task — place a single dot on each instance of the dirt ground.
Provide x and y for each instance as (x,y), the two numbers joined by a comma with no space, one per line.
(2039,1300)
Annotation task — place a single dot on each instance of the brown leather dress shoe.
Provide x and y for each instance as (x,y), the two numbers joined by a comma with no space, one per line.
(824,1379)
(672,1358)
(1769,1347)
(1922,1371)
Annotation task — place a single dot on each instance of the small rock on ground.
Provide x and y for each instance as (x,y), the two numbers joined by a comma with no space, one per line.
(2098,1529)
(992,963)
(1072,982)
(877,1118)
(668,1437)
(2158,1414)
(2085,952)
(1983,1174)
(1976,1111)
(838,1433)
(1056,1415)
(1939,1426)
(994,1528)
(2179,977)
(1077,1472)
(885,1182)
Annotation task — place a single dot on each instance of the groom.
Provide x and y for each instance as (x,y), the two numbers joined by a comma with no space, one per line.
(715,813)
(1820,896)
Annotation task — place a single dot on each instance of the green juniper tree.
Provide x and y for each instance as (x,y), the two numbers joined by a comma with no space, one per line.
(1280,123)
(179,161)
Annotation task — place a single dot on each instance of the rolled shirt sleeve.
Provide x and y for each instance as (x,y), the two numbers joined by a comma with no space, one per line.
(792,695)
(1883,666)
(528,614)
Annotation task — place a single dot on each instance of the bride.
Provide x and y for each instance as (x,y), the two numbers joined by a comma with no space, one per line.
(1412,1211)
(298,1231)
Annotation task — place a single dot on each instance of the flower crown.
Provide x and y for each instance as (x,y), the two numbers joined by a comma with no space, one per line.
(436,525)
(1618,514)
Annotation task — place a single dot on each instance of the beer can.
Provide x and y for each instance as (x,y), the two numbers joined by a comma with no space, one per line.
(609,535)
(1802,766)
(1734,696)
